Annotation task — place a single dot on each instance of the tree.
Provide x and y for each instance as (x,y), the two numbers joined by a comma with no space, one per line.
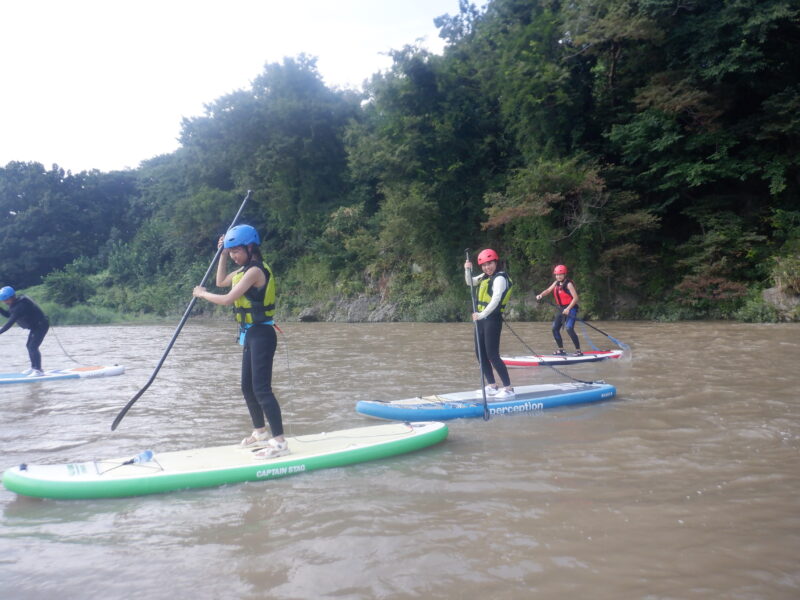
(50,218)
(283,139)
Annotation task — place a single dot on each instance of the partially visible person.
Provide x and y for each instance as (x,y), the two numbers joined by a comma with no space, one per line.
(566,297)
(26,313)
(494,288)
(253,296)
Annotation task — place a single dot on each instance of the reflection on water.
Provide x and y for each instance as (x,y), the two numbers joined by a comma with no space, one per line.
(685,486)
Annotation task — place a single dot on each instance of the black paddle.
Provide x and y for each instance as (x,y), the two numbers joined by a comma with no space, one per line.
(186,313)
(477,339)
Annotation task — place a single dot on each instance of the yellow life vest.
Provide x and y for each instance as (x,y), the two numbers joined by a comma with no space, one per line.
(256,305)
(485,291)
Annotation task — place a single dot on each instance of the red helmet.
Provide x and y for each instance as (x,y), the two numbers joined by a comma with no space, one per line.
(560,270)
(487,255)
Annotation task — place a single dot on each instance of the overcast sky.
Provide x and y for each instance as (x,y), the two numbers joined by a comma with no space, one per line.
(103,84)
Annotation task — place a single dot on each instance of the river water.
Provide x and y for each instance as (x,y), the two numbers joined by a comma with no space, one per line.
(685,486)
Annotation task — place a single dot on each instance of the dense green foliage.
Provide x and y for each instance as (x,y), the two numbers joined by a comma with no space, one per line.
(651,145)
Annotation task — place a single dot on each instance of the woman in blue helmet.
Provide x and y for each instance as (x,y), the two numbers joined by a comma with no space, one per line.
(252,295)
(26,313)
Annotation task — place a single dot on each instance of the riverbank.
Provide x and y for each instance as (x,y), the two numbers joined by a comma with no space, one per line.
(772,305)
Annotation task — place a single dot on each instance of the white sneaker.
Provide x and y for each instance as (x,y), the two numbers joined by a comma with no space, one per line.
(488,390)
(36,373)
(504,394)
(273,449)
(27,372)
(257,437)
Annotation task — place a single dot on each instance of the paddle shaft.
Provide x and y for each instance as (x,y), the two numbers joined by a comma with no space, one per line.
(477,339)
(186,314)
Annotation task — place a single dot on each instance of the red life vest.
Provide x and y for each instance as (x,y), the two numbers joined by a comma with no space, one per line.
(561,293)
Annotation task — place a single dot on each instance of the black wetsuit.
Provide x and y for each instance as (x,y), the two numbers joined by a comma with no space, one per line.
(490,329)
(260,342)
(27,314)
(487,343)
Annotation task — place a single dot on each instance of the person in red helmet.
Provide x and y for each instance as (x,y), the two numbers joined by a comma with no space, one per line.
(566,297)
(494,288)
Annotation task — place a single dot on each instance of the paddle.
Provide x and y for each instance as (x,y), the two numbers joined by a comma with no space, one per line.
(546,364)
(477,339)
(622,345)
(186,313)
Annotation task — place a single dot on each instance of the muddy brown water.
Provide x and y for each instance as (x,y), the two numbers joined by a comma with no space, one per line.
(684,486)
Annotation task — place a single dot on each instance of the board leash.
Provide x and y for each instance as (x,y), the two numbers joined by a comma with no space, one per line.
(532,351)
(60,345)
(585,335)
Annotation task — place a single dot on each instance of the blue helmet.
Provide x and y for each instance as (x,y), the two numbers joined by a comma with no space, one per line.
(241,235)
(7,292)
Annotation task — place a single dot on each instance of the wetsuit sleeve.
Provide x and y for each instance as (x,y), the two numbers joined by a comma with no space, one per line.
(475,280)
(5,313)
(498,289)
(12,319)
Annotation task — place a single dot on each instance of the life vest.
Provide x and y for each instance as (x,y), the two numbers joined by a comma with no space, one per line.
(255,305)
(485,292)
(561,293)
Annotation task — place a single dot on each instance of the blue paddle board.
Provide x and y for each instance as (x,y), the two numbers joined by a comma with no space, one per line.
(460,405)
(59,374)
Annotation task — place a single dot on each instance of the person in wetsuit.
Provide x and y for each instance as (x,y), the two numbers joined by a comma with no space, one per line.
(566,297)
(494,287)
(252,295)
(26,313)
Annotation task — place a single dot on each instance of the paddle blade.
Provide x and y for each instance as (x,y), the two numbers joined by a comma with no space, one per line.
(125,410)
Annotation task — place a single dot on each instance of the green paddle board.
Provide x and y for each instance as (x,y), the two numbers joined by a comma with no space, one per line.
(207,467)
